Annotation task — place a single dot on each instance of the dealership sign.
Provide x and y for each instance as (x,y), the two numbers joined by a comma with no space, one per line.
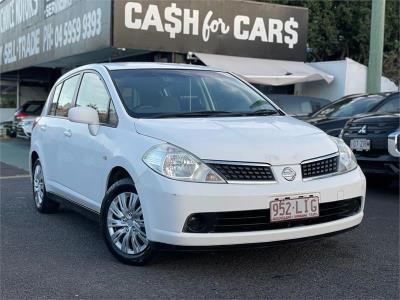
(40,32)
(33,32)
(240,28)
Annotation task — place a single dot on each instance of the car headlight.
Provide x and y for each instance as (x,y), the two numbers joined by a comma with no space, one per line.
(341,134)
(347,160)
(176,163)
(25,123)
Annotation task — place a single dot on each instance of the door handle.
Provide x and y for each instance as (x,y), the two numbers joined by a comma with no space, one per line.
(68,133)
(43,127)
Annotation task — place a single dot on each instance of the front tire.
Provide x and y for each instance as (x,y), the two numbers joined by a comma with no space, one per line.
(42,202)
(122,224)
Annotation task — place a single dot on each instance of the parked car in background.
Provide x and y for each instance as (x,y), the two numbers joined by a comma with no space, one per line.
(7,125)
(298,106)
(24,128)
(334,116)
(178,156)
(30,109)
(374,138)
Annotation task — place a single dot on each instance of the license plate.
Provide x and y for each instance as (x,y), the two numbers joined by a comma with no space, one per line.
(360,144)
(293,208)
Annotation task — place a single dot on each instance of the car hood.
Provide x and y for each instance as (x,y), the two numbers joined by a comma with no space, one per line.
(277,140)
(377,118)
(331,126)
(324,120)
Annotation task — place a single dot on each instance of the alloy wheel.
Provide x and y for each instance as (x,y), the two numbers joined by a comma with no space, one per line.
(125,224)
(38,185)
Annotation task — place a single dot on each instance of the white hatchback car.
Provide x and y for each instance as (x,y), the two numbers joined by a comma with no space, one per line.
(186,156)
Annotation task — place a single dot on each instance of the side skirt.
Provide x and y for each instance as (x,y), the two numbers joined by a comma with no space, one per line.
(79,208)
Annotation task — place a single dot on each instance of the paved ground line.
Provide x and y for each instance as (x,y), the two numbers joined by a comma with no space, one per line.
(15,176)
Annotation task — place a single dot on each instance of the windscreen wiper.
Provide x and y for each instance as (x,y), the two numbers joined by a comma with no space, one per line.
(262,112)
(205,113)
(215,113)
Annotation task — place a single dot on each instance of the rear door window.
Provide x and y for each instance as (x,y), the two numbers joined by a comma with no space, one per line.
(66,96)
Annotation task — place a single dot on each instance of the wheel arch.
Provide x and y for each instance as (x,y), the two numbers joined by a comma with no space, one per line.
(34,157)
(115,174)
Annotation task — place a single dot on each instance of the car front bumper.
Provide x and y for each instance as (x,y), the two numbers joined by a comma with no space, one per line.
(385,164)
(167,204)
(23,131)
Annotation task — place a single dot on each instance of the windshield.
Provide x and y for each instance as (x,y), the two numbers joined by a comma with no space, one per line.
(172,93)
(392,105)
(350,107)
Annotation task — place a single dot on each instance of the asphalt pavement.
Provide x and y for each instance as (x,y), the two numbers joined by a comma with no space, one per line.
(62,256)
(15,152)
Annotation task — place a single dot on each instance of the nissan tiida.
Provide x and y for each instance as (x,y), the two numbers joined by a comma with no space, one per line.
(185,156)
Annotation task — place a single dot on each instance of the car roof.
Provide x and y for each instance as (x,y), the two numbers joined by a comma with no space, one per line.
(153,65)
(393,94)
(364,96)
(134,66)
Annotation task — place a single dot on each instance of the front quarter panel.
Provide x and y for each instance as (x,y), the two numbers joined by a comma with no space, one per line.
(36,146)
(127,151)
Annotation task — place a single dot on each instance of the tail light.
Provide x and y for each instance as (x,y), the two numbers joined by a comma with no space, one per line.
(35,122)
(20,115)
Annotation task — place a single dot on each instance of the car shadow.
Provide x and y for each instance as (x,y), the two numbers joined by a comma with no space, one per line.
(388,185)
(287,256)
(277,262)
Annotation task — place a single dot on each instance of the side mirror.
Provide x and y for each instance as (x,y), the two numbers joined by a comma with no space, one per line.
(85,115)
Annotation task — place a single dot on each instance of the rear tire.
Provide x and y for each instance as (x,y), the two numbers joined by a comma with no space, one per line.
(122,224)
(42,202)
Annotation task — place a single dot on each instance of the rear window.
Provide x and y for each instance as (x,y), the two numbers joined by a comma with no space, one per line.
(33,108)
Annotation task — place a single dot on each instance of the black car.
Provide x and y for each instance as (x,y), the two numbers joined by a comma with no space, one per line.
(375,138)
(28,110)
(334,116)
(298,106)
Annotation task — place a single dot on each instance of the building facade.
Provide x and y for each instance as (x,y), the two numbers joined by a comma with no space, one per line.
(41,39)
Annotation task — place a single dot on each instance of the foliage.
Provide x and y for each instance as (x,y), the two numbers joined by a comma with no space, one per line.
(341,28)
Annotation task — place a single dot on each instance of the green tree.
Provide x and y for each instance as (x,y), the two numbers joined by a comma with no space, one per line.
(339,29)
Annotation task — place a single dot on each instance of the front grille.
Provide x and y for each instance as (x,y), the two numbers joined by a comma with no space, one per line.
(376,132)
(243,172)
(256,220)
(320,167)
(382,128)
